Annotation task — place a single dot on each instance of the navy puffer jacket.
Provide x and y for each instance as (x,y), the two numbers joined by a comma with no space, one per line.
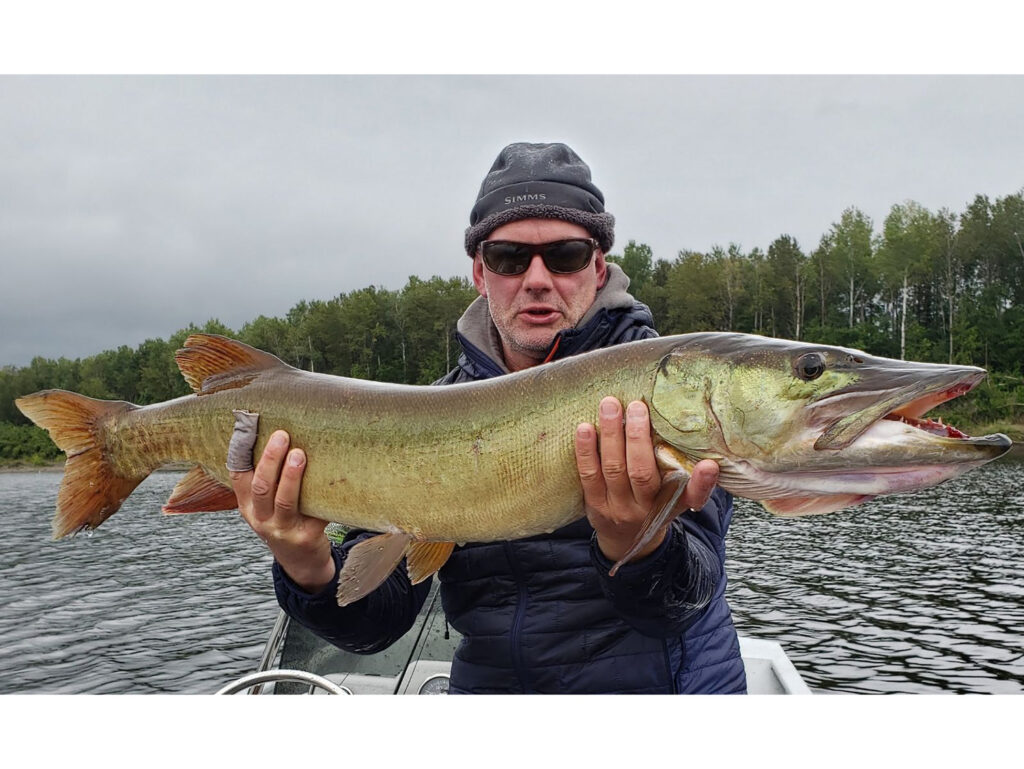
(541,614)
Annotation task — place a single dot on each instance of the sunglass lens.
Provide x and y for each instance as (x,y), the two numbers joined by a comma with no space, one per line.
(568,256)
(506,258)
(563,257)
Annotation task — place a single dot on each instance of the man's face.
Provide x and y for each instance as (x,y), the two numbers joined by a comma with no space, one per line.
(530,309)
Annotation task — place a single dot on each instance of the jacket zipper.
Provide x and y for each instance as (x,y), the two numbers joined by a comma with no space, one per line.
(673,681)
(517,620)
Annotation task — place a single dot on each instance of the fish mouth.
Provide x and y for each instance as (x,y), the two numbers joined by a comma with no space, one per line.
(911,413)
(907,404)
(938,428)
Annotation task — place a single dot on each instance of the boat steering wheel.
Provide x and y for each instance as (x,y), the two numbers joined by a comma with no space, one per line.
(297,676)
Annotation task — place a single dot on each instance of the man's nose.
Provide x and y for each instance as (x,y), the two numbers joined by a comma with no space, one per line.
(537,275)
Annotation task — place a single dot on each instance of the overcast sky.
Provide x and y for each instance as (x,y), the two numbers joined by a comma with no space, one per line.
(132,206)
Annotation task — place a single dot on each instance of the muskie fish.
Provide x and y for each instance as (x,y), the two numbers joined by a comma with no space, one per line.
(801,428)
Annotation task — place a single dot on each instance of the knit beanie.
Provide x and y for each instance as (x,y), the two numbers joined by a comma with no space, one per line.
(539,181)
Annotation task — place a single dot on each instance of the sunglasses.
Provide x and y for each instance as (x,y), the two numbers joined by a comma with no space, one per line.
(562,257)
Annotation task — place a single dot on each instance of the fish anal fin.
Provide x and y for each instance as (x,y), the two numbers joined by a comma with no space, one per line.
(662,513)
(200,492)
(424,558)
(211,363)
(791,507)
(368,564)
(93,487)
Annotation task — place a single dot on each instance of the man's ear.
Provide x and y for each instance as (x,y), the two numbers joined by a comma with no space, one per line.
(602,268)
(478,275)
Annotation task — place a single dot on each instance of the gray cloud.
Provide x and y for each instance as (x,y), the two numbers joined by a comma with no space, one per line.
(131,206)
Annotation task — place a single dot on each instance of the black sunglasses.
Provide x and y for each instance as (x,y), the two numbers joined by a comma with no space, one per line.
(562,257)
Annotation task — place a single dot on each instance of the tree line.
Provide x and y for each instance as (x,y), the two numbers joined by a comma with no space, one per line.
(928,286)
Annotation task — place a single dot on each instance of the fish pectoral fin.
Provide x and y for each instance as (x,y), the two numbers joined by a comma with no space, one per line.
(368,564)
(826,503)
(662,513)
(670,458)
(200,492)
(425,558)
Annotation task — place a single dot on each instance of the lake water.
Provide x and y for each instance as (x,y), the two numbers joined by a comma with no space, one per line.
(913,593)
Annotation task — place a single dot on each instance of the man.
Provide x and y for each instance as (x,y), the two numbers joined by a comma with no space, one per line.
(539,614)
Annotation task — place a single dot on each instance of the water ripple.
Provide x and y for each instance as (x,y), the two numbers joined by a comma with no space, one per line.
(146,603)
(916,593)
(913,593)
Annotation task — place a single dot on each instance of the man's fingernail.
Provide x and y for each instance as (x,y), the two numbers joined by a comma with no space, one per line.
(278,440)
(636,409)
(609,408)
(295,458)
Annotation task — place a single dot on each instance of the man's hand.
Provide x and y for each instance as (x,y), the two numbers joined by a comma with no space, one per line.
(268,499)
(621,480)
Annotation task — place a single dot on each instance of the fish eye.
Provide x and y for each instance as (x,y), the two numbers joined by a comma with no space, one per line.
(810,366)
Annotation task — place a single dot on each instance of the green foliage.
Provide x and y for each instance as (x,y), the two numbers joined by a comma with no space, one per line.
(929,286)
(395,336)
(787,276)
(26,443)
(637,261)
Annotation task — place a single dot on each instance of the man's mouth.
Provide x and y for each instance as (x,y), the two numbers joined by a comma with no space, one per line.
(539,315)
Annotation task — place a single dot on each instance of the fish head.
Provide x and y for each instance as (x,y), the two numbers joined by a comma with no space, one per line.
(808,428)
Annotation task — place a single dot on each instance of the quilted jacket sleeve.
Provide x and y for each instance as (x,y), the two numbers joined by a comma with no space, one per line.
(364,627)
(664,593)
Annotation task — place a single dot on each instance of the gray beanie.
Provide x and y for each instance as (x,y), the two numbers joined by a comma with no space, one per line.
(539,181)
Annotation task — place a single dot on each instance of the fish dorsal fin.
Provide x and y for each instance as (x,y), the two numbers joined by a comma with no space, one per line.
(211,363)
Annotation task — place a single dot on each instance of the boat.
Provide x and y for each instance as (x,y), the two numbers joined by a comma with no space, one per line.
(295,661)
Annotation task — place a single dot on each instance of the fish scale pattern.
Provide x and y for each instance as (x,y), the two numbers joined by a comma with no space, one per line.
(541,614)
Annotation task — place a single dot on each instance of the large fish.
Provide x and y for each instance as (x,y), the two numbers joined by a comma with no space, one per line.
(801,428)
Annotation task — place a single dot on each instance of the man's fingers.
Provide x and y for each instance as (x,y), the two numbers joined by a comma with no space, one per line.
(588,461)
(613,446)
(287,499)
(241,482)
(644,476)
(265,478)
(702,482)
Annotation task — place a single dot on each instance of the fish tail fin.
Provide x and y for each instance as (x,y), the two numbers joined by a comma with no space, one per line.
(92,489)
